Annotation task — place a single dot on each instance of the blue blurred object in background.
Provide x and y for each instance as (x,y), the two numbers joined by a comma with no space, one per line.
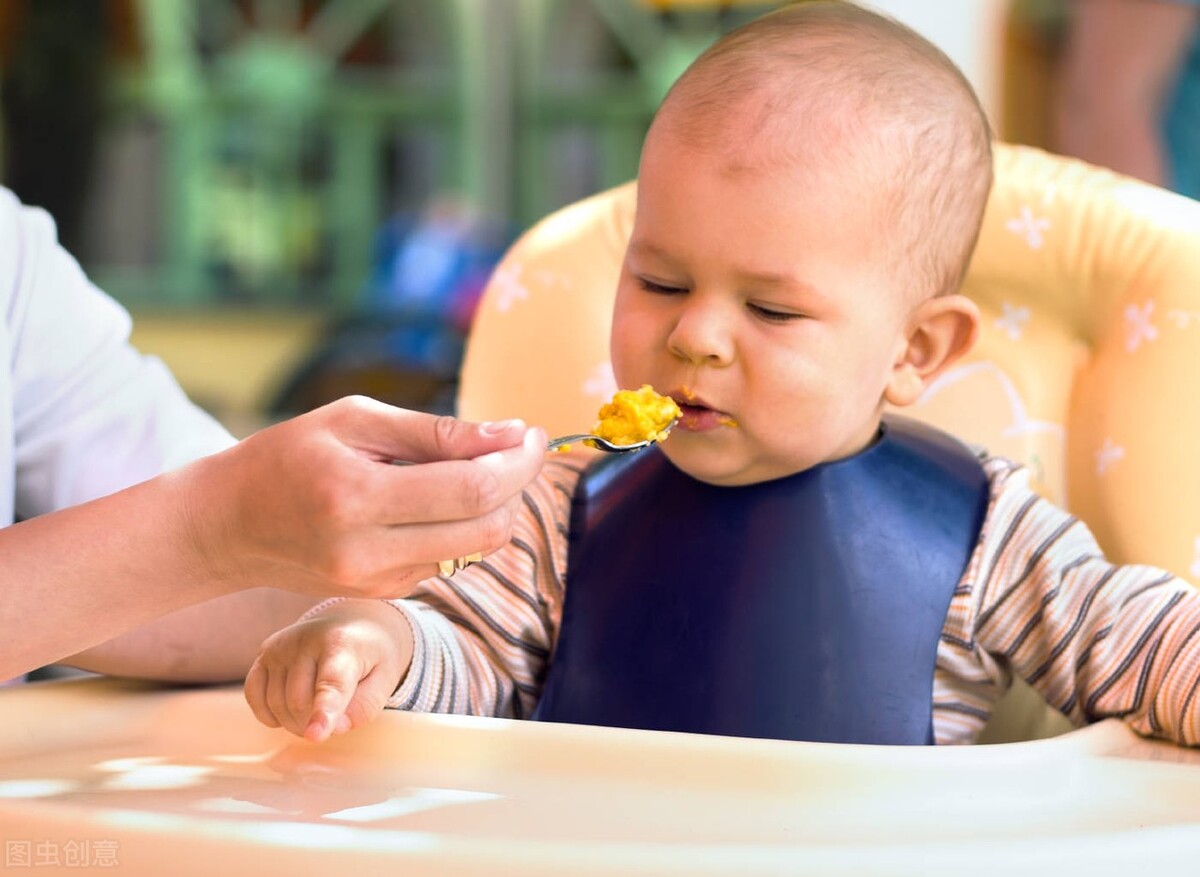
(404,344)
(435,263)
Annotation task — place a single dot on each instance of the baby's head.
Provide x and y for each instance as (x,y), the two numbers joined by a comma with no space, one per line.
(809,196)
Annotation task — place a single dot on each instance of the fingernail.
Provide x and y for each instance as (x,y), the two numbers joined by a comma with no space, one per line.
(499,427)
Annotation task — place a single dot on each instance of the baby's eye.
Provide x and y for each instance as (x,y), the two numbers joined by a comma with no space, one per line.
(659,288)
(773,316)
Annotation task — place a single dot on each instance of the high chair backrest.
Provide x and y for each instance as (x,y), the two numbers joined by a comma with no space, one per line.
(1087,369)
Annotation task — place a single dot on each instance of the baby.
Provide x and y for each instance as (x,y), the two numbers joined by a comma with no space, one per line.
(790,563)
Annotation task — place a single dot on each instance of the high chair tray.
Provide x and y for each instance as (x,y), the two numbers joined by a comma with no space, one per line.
(105,773)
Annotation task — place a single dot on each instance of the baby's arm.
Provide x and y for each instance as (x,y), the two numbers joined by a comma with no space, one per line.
(482,639)
(1097,640)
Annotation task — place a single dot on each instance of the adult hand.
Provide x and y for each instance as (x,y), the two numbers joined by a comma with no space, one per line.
(316,504)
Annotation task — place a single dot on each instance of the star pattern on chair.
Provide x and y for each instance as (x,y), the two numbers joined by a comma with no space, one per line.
(1139,325)
(1029,227)
(1013,320)
(508,286)
(1108,454)
(1182,319)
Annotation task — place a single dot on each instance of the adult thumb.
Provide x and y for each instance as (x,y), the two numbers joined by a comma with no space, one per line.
(419,437)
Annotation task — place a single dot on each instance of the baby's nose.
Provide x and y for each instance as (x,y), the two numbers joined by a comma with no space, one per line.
(703,335)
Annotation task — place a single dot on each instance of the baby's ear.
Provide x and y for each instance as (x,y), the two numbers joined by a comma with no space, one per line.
(941,330)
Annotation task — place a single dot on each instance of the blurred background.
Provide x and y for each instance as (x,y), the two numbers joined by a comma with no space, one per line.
(298,199)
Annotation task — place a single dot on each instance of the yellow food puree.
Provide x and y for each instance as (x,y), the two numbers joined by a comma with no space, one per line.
(636,416)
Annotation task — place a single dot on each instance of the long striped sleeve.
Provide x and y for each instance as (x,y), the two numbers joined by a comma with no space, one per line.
(1096,640)
(482,638)
(1038,600)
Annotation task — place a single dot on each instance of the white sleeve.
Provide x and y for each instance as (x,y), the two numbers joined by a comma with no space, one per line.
(87,413)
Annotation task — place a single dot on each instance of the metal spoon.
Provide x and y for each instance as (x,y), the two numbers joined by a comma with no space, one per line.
(607,446)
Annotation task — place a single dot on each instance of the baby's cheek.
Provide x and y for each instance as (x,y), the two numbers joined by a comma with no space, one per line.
(620,351)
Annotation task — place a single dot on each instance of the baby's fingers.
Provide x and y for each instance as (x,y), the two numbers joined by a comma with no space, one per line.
(255,691)
(368,701)
(337,679)
(280,695)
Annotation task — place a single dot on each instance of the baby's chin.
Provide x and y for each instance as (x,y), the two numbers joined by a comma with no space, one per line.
(713,467)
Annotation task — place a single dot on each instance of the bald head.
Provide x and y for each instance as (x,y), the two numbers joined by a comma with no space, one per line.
(858,95)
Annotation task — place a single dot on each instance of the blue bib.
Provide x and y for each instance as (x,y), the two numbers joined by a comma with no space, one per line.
(806,608)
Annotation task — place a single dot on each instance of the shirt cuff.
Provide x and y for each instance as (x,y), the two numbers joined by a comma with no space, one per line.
(408,694)
(319,608)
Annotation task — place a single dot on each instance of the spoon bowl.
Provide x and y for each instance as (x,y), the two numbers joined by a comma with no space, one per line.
(607,446)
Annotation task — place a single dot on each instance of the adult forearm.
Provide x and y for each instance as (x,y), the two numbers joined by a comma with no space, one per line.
(78,577)
(214,642)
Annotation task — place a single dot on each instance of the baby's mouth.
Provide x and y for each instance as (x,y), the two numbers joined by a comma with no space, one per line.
(700,418)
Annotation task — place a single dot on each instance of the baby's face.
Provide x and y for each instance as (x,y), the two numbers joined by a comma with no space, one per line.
(762,302)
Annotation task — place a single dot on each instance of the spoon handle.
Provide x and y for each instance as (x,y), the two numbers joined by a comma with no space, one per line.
(568,440)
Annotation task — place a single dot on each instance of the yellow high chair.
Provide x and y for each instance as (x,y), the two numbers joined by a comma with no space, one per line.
(1087,371)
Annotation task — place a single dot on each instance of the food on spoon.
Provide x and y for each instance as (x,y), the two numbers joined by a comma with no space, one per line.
(636,416)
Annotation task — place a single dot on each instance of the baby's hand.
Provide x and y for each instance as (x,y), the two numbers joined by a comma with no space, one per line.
(331,672)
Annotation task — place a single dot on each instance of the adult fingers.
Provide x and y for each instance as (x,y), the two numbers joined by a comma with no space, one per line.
(450,490)
(389,561)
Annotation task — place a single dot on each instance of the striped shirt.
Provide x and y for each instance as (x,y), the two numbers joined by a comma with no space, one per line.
(1038,600)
